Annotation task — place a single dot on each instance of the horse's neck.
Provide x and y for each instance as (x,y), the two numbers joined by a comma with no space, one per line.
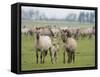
(66,40)
(37,38)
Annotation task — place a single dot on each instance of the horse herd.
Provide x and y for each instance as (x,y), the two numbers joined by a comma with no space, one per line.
(47,40)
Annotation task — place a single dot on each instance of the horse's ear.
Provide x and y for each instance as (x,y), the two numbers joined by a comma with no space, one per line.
(51,31)
(69,33)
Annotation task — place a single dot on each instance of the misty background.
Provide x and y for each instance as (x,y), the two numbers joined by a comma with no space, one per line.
(58,14)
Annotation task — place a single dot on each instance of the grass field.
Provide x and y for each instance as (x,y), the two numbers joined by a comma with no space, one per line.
(56,23)
(85,55)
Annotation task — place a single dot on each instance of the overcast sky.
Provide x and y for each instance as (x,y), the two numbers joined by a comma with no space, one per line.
(55,12)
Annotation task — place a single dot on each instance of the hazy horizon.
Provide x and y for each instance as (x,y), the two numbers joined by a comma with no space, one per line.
(58,13)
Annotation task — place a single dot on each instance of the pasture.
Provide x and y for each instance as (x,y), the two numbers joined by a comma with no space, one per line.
(85,53)
(55,23)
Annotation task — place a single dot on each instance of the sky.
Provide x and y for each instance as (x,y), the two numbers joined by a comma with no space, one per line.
(55,12)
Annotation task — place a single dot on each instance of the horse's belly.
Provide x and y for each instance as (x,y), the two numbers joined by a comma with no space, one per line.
(45,43)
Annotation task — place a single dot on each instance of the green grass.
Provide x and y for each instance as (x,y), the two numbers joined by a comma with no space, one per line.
(85,55)
(30,23)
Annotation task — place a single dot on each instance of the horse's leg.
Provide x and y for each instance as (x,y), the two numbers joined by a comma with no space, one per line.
(41,57)
(51,55)
(55,55)
(37,56)
(77,37)
(53,58)
(69,56)
(73,56)
(44,55)
(64,57)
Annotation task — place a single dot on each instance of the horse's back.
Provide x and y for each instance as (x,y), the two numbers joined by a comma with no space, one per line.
(71,43)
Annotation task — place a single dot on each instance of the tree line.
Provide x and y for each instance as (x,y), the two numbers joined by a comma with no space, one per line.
(82,17)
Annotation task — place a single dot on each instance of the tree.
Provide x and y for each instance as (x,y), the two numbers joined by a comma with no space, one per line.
(71,17)
(92,17)
(87,17)
(81,17)
(30,14)
(27,15)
